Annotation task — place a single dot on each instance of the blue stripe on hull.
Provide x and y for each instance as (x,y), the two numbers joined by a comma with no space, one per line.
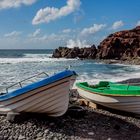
(46,81)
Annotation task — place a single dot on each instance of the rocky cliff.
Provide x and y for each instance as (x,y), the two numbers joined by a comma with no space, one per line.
(120,45)
(123,45)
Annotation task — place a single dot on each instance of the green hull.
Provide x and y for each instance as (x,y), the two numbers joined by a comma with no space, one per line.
(109,88)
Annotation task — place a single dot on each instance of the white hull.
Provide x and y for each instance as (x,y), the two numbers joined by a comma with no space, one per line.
(51,99)
(124,103)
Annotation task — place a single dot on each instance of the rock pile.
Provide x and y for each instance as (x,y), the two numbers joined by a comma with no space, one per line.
(89,53)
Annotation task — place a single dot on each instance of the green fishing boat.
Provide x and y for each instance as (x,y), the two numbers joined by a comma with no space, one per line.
(113,95)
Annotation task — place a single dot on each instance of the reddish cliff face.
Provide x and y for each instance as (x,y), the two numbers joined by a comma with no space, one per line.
(120,45)
(123,45)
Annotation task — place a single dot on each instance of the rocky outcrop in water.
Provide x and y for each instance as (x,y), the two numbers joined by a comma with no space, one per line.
(123,45)
(88,53)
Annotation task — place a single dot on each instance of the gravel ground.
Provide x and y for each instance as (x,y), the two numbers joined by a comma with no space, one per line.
(89,124)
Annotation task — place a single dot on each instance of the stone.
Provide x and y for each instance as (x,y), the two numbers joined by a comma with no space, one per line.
(90,133)
(56,53)
(46,131)
(21,137)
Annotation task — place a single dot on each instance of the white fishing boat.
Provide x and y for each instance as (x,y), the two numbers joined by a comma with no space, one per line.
(49,95)
(113,95)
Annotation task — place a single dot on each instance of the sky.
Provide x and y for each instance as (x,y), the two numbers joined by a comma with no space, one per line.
(48,24)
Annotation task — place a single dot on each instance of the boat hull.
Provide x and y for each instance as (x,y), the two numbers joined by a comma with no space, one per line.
(51,99)
(124,103)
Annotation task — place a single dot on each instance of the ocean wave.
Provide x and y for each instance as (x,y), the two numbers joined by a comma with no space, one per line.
(34,59)
(30,55)
(118,75)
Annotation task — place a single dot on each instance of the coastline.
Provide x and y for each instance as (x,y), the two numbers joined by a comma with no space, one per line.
(125,62)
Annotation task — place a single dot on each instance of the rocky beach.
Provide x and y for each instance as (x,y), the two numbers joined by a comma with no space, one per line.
(92,124)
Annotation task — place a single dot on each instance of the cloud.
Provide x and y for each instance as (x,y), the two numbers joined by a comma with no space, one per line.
(78,16)
(138,23)
(38,38)
(4,4)
(51,13)
(48,38)
(77,43)
(36,33)
(66,30)
(117,25)
(13,34)
(46,41)
(93,29)
(57,37)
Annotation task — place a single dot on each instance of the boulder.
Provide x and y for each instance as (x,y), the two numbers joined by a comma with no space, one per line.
(56,53)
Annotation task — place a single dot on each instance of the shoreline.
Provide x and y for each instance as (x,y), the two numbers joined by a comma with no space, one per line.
(125,62)
(114,61)
(135,61)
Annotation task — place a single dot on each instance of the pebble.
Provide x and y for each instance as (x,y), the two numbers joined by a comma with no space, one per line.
(46,131)
(93,125)
(40,134)
(39,138)
(1,137)
(51,124)
(90,133)
(43,139)
(21,137)
(55,138)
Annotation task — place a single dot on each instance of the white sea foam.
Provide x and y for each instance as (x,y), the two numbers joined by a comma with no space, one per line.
(20,60)
(121,74)
(30,55)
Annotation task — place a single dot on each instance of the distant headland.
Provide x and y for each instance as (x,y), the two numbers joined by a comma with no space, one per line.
(119,47)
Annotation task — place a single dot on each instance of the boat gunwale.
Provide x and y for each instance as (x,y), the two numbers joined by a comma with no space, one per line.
(79,85)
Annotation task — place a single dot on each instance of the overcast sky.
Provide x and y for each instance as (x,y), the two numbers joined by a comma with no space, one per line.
(46,24)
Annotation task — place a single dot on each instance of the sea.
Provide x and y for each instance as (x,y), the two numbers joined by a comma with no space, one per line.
(16,65)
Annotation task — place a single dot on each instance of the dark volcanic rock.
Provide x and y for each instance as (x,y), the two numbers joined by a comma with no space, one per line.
(83,53)
(72,53)
(120,45)
(56,53)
